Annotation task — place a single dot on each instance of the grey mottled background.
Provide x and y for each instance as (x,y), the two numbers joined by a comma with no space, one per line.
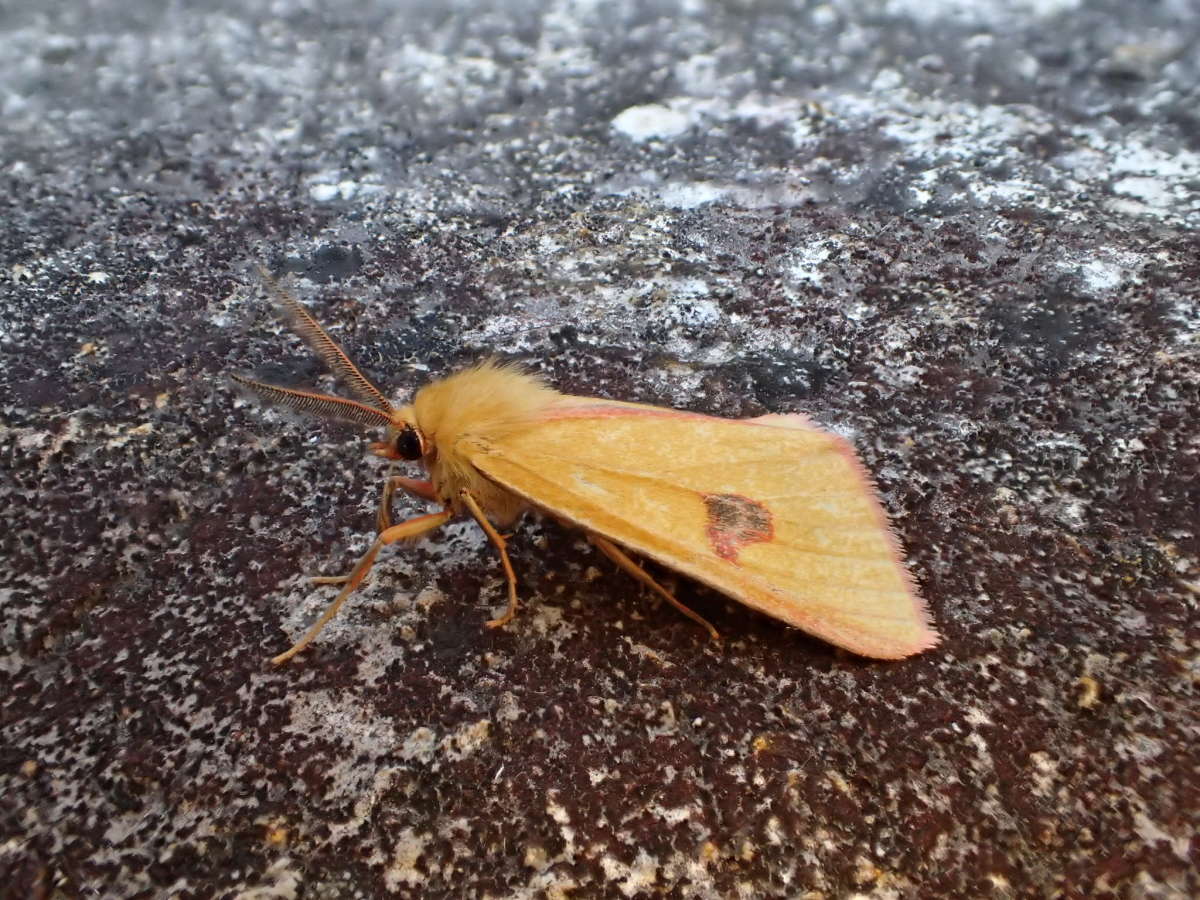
(962,234)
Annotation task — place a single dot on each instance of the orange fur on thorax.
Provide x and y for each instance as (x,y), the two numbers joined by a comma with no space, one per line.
(477,406)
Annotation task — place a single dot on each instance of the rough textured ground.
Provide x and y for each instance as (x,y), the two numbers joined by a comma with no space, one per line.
(961,234)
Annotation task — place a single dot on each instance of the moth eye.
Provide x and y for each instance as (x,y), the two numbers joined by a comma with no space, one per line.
(408,443)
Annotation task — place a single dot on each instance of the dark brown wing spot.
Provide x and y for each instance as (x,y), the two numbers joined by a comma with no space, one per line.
(734,521)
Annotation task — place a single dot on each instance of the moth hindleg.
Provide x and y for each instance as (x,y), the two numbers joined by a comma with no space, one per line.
(502,545)
(617,555)
(410,529)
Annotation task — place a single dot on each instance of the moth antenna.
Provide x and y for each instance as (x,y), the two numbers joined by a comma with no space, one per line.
(302,322)
(310,403)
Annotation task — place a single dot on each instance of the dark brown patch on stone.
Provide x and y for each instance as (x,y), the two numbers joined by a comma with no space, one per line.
(734,521)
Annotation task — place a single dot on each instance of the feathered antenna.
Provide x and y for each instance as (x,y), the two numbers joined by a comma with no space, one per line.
(301,321)
(372,408)
(310,403)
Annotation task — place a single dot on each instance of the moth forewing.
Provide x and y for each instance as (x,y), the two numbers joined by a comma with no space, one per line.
(774,512)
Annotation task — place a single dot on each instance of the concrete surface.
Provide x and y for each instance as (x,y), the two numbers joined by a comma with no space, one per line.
(961,234)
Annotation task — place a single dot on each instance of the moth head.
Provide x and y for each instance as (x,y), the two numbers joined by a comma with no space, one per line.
(404,441)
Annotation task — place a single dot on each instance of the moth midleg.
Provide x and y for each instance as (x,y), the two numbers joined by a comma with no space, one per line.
(501,545)
(410,529)
(416,487)
(617,555)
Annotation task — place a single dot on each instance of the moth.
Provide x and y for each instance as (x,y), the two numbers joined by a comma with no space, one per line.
(773,511)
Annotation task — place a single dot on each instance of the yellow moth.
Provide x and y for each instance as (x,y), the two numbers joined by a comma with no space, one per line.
(772,511)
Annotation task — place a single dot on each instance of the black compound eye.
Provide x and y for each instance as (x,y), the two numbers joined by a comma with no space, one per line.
(408,443)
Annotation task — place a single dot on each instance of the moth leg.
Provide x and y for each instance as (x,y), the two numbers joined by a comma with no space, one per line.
(410,529)
(502,546)
(414,486)
(329,579)
(617,555)
(383,518)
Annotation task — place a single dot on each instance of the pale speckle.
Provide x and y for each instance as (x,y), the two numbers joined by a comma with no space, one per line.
(419,745)
(865,871)
(557,812)
(1099,276)
(1089,694)
(1136,158)
(536,857)
(653,120)
(1140,747)
(323,193)
(972,12)
(1152,832)
(887,80)
(976,717)
(999,883)
(467,740)
(690,195)
(639,876)
(774,831)
(836,780)
(1045,772)
(1072,512)
(1152,191)
(807,263)
(406,853)
(346,189)
(508,709)
(672,815)
(286,878)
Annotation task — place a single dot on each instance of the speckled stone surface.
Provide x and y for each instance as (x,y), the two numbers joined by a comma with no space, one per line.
(961,234)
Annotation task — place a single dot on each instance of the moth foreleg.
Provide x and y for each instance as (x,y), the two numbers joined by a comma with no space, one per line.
(410,529)
(617,555)
(498,539)
(383,517)
(414,486)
